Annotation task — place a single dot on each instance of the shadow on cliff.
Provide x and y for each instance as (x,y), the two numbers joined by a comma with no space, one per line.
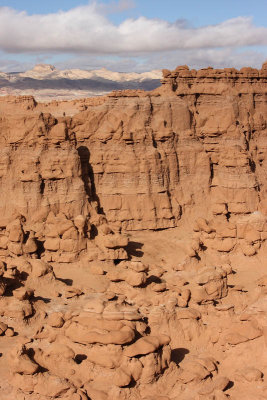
(177,355)
(133,249)
(88,176)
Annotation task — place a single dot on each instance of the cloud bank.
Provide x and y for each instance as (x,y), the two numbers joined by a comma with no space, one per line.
(86,33)
(86,29)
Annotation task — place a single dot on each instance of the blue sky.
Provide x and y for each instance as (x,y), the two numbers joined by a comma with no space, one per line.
(198,12)
(132,34)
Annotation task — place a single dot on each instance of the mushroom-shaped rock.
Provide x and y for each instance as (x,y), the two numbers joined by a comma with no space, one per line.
(146,345)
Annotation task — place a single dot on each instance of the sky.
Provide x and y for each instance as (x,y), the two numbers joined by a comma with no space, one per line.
(132,35)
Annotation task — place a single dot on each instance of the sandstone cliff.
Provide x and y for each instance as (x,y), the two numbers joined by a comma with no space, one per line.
(98,299)
(196,142)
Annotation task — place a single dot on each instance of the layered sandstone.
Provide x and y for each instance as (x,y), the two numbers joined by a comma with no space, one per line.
(153,156)
(98,298)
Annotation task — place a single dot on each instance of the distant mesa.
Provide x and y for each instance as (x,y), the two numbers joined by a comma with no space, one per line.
(46,82)
(44,68)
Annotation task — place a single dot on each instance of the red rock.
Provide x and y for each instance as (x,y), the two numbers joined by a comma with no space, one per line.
(99,298)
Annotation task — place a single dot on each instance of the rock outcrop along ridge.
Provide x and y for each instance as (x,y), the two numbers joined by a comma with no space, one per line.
(152,155)
(133,234)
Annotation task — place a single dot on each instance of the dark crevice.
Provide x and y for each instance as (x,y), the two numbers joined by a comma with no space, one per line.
(252,165)
(40,248)
(79,358)
(42,186)
(88,177)
(211,172)
(26,237)
(228,216)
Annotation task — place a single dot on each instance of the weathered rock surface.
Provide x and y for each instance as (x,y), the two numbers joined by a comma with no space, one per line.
(98,298)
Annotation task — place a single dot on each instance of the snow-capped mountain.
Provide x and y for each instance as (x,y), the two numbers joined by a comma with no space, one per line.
(44,81)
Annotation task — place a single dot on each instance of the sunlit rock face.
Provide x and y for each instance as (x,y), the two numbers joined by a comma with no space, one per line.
(133,233)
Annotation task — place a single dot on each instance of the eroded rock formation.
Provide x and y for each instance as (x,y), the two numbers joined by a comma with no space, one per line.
(99,299)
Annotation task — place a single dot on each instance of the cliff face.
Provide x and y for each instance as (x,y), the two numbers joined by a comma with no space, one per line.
(195,143)
(47,195)
(198,141)
(38,171)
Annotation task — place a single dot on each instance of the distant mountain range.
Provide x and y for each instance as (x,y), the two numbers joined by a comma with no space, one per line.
(45,82)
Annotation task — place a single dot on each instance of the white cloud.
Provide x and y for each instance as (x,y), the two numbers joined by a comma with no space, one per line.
(199,58)
(87,29)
